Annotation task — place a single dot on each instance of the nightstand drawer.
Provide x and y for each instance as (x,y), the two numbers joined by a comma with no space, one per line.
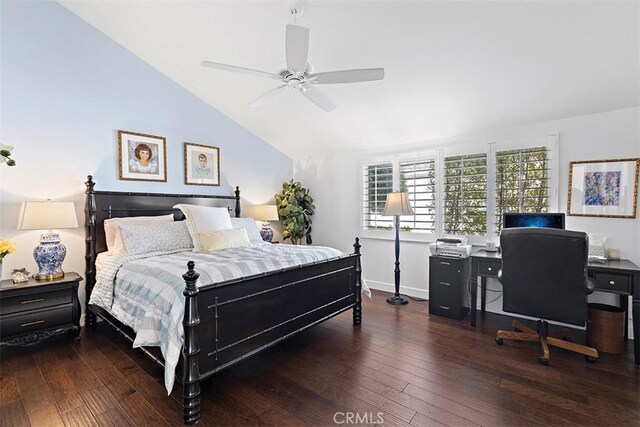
(45,319)
(612,282)
(33,301)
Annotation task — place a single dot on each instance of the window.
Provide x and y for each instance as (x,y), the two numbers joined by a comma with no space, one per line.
(465,194)
(454,191)
(378,181)
(522,182)
(418,178)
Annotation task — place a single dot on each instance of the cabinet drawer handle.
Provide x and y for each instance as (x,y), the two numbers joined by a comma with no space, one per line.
(444,307)
(611,282)
(32,323)
(489,269)
(444,263)
(445,283)
(32,300)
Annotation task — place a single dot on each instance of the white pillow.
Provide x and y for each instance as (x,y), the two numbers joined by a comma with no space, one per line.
(224,239)
(159,236)
(204,218)
(249,224)
(115,245)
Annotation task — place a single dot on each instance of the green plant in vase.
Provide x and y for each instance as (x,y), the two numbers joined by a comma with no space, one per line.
(295,208)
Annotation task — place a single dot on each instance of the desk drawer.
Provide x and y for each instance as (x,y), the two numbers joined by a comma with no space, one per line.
(32,301)
(34,321)
(489,269)
(612,282)
(449,307)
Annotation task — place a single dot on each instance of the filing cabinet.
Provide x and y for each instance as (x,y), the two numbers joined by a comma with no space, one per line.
(448,292)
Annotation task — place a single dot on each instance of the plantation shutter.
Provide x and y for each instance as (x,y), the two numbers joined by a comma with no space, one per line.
(378,182)
(418,178)
(522,182)
(465,194)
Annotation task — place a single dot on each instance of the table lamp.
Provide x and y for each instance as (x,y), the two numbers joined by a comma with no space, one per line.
(397,204)
(48,215)
(266,213)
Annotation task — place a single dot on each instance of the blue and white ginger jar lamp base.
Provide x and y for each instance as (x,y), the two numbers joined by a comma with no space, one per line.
(49,255)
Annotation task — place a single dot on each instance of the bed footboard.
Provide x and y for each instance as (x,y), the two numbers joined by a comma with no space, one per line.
(227,322)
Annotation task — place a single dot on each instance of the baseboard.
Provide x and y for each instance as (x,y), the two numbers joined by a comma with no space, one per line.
(404,290)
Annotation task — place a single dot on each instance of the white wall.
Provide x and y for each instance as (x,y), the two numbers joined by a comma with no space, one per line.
(335,183)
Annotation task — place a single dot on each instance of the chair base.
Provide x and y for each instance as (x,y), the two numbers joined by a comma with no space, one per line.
(555,339)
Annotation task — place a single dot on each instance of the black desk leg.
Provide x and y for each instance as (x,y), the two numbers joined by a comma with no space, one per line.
(636,317)
(474,299)
(624,305)
(483,293)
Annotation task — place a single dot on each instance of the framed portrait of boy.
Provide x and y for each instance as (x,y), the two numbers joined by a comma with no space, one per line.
(201,164)
(142,157)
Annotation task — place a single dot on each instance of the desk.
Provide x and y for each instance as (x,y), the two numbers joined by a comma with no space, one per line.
(619,277)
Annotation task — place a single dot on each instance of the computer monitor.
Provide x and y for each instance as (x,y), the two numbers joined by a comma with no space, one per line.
(547,220)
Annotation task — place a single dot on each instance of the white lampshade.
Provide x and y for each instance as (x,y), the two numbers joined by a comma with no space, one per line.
(47,215)
(397,204)
(265,212)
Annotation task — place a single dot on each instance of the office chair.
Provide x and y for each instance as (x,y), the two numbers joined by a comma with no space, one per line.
(544,275)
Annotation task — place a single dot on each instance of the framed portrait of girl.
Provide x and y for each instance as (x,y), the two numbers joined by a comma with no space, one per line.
(142,157)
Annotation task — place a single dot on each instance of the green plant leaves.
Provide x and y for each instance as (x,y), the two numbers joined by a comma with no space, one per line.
(295,208)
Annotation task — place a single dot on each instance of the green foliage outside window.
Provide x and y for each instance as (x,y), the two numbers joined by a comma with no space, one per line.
(465,194)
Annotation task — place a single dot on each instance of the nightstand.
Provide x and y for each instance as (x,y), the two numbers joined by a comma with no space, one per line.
(38,309)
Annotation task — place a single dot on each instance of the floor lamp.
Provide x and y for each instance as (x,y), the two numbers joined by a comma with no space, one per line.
(397,205)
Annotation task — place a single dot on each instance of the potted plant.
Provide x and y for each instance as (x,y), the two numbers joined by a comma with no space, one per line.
(295,207)
(6,247)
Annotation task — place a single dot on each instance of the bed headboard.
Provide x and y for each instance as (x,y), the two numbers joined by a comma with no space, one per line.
(101,205)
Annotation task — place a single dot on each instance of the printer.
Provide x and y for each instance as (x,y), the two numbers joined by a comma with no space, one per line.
(455,247)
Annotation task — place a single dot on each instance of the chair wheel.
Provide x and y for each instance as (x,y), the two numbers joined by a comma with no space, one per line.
(543,360)
(499,341)
(590,359)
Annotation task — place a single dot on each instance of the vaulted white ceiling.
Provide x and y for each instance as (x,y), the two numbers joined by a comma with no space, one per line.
(451,67)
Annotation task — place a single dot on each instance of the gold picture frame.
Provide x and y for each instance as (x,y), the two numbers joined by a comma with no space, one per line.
(201,164)
(142,157)
(603,188)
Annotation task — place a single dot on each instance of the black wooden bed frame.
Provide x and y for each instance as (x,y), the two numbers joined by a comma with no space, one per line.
(225,322)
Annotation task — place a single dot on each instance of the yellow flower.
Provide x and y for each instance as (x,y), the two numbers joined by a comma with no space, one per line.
(6,247)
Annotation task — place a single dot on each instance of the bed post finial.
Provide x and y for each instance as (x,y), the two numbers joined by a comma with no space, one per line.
(90,248)
(357,309)
(191,348)
(237,192)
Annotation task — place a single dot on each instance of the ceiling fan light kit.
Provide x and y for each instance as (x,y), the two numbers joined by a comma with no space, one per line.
(299,74)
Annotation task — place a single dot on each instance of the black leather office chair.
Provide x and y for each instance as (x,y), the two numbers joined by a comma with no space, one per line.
(544,275)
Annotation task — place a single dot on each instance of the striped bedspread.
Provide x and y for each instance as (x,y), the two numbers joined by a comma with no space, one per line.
(145,291)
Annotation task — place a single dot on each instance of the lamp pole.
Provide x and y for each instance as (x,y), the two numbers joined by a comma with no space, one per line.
(397,299)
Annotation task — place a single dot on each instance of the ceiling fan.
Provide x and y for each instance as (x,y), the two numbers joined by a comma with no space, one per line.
(299,74)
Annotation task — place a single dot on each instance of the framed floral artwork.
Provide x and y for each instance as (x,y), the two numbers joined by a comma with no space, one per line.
(142,157)
(603,188)
(201,164)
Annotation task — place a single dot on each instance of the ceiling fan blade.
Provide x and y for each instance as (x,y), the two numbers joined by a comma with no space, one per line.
(226,67)
(318,97)
(264,98)
(347,76)
(297,48)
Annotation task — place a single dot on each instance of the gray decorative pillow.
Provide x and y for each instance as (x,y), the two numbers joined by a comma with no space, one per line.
(248,224)
(160,236)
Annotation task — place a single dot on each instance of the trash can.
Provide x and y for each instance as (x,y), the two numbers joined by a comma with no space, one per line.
(605,328)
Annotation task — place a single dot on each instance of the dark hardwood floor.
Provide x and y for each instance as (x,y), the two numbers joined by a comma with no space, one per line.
(401,367)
